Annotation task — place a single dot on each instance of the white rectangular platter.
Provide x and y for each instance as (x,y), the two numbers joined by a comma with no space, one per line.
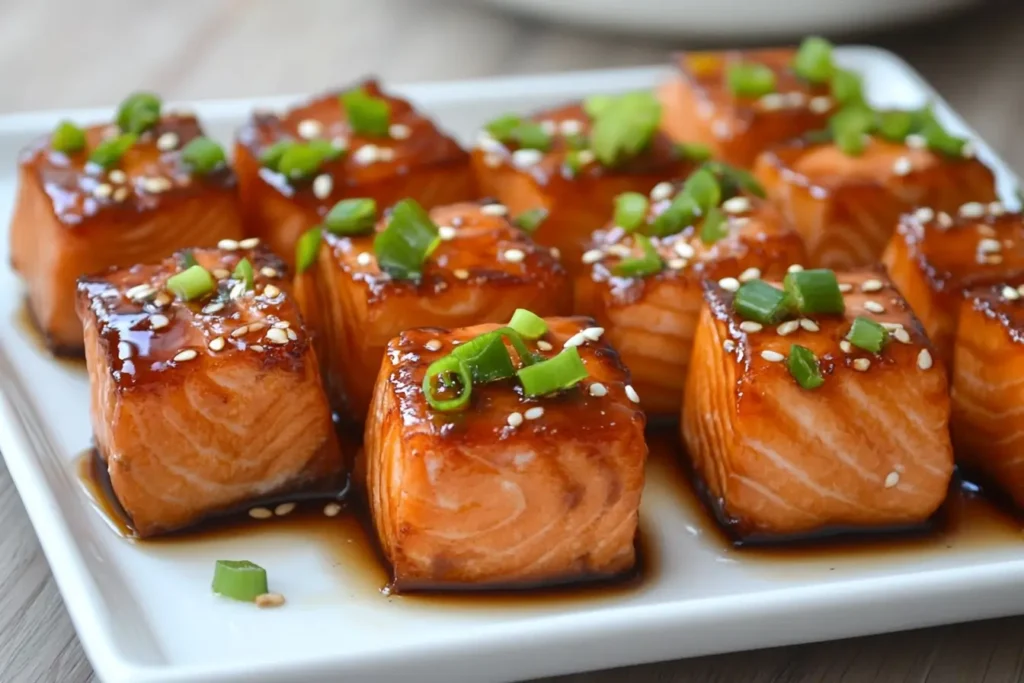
(145,613)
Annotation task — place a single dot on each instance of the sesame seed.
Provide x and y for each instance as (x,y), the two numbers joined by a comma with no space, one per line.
(210,309)
(924,359)
(989,246)
(845,287)
(845,346)
(310,128)
(874,307)
(227,245)
(267,271)
(271,291)
(677,263)
(820,104)
(386,154)
(631,394)
(514,255)
(751,326)
(257,348)
(772,101)
(788,327)
(524,158)
(736,205)
(237,292)
(292,336)
(492,160)
(903,166)
(592,256)
(117,176)
(750,274)
(555,253)
(322,186)
(260,513)
(433,345)
(772,356)
(892,479)
(597,389)
(861,364)
(548,126)
(277,336)
(795,268)
(662,191)
(794,99)
(996,208)
(901,335)
(240,331)
(102,191)
(684,250)
(249,243)
(124,350)
(592,333)
(121,194)
(945,220)
(256,326)
(570,127)
(332,509)
(399,131)
(366,155)
(720,129)
(915,141)
(217,344)
(156,185)
(973,210)
(283,509)
(924,214)
(140,292)
(968,151)
(574,340)
(514,419)
(1010,293)
(269,600)
(186,355)
(494,210)
(729,284)
(364,258)
(620,250)
(534,413)
(446,232)
(167,141)
(221,273)
(729,345)
(159,321)
(871,286)
(461,273)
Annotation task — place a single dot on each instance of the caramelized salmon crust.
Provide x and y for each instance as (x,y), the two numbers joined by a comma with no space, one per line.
(699,106)
(651,320)
(577,200)
(482,271)
(867,450)
(72,218)
(511,492)
(414,159)
(203,406)
(988,386)
(846,207)
(934,257)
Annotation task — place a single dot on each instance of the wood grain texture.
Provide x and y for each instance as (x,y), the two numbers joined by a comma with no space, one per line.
(72,53)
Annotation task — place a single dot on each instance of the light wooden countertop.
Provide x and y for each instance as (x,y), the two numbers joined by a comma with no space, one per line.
(76,53)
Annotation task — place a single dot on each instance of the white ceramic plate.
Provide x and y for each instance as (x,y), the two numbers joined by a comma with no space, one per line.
(145,613)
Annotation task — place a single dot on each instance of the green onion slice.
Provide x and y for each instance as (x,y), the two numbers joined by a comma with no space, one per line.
(895,125)
(408,240)
(704,188)
(714,227)
(814,291)
(447,369)
(750,80)
(595,105)
(67,138)
(501,128)
(624,126)
(487,358)
(682,212)
(804,367)
(299,161)
(239,579)
(649,263)
(187,258)
(530,135)
(761,302)
(847,87)
(271,156)
(813,60)
(692,151)
(936,136)
(327,150)
(576,141)
(191,283)
(557,373)
(367,115)
(109,152)
(531,219)
(735,180)
(138,113)
(243,273)
(630,210)
(528,324)
(203,155)
(352,216)
(849,126)
(867,334)
(307,249)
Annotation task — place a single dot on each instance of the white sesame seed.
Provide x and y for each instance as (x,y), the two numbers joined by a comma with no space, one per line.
(399,131)
(310,128)
(915,141)
(820,104)
(124,350)
(772,101)
(555,253)
(808,325)
(620,250)
(525,158)
(846,346)
(592,333)
(996,209)
(750,274)
(721,129)
(544,346)
(871,286)
(729,345)
(575,340)
(221,273)
(322,186)
(433,345)
(861,364)
(534,413)
(736,205)
(729,284)
(156,185)
(631,394)
(788,328)
(1010,293)
(985,230)
(367,154)
(514,419)
(461,273)
(276,336)
(684,250)
(240,331)
(260,513)
(258,348)
(249,243)
(272,292)
(794,99)
(901,335)
(117,176)
(514,255)
(892,479)
(102,191)
(989,246)
(924,359)
(845,287)
(494,210)
(592,256)
(332,509)
(364,258)
(751,326)
(1020,290)
(548,126)
(237,292)
(924,215)
(282,324)
(210,309)
(945,220)
(662,191)
(167,141)
(570,127)
(267,271)
(284,509)
(446,232)
(973,210)
(217,344)
(677,263)
(227,245)
(874,307)
(265,600)
(492,160)
(292,336)
(795,268)
(140,292)
(597,389)
(162,299)
(772,356)
(120,194)
(903,166)
(256,326)
(186,355)
(158,321)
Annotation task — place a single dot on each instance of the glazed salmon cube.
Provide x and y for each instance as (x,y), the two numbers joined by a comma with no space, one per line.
(481,271)
(407,157)
(202,406)
(868,449)
(934,257)
(511,491)
(847,207)
(74,218)
(700,105)
(567,180)
(651,319)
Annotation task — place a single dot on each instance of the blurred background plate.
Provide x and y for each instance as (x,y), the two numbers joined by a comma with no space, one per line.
(733,18)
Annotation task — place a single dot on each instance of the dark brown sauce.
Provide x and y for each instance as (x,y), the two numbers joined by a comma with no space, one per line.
(25,322)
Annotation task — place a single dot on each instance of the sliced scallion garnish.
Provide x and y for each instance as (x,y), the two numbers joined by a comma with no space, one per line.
(735,180)
(531,135)
(595,105)
(867,334)
(239,579)
(693,151)
(138,112)
(501,128)
(109,152)
(367,115)
(895,125)
(630,210)
(355,216)
(683,211)
(803,366)
(557,373)
(531,219)
(847,87)
(849,126)
(191,283)
(936,136)
(704,188)
(528,324)
(750,80)
(649,263)
(307,249)
(299,161)
(444,371)
(761,302)
(407,241)
(576,141)
(714,227)
(203,155)
(813,60)
(271,156)
(486,357)
(187,258)
(814,291)
(327,150)
(67,138)
(623,126)
(243,273)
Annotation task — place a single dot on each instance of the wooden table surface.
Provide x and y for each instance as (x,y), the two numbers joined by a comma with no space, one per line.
(77,53)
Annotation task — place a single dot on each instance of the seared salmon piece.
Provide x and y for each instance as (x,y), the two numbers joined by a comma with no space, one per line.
(204,405)
(847,207)
(509,491)
(293,167)
(866,449)
(73,217)
(555,168)
(482,269)
(934,257)
(702,106)
(988,386)
(650,318)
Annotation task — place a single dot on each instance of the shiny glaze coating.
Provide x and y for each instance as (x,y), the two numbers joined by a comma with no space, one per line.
(474,498)
(933,257)
(700,106)
(422,162)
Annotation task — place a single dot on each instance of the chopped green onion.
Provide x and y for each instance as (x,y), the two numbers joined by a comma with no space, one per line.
(813,60)
(735,180)
(704,188)
(109,152)
(408,240)
(352,216)
(714,227)
(576,141)
(528,324)
(559,372)
(188,259)
(531,219)
(624,126)
(750,80)
(191,283)
(803,365)
(573,163)
(307,249)
(243,273)
(271,156)
(595,105)
(367,115)
(327,150)
(693,151)
(867,334)
(814,291)
(630,210)
(682,212)
(67,138)
(486,357)
(501,128)
(299,161)
(849,126)
(847,87)
(642,266)
(203,155)
(936,136)
(445,369)
(530,135)
(239,579)
(895,125)
(761,302)
(138,113)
